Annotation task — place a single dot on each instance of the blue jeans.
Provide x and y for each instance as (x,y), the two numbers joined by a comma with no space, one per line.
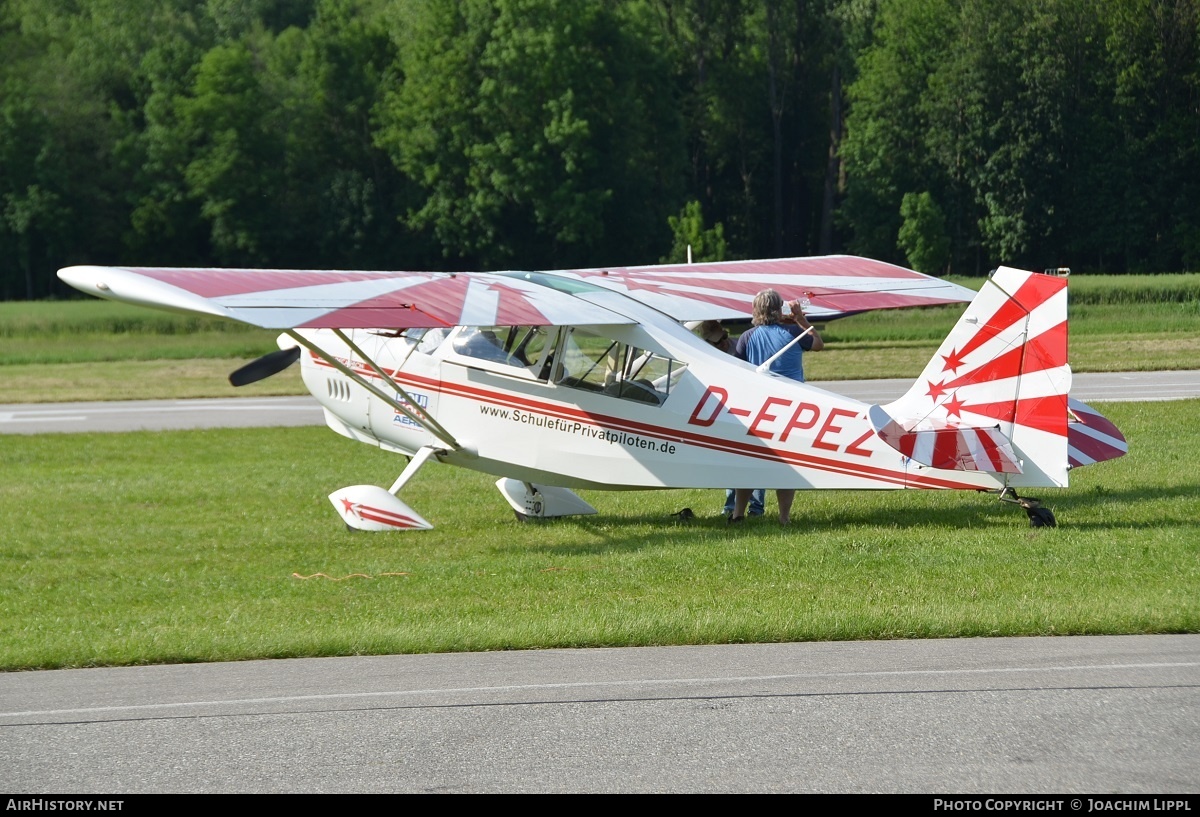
(758,499)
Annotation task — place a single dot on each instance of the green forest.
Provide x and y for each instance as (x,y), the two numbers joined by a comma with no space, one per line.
(946,135)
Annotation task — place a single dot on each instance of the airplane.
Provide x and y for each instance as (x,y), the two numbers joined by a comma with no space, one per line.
(594,378)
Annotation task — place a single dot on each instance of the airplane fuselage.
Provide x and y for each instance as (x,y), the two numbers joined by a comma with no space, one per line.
(711,421)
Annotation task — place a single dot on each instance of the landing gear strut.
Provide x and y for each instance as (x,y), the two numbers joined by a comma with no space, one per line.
(369,507)
(1039,516)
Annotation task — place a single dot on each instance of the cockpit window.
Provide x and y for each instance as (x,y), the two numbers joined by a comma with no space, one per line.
(427,340)
(568,356)
(517,346)
(486,343)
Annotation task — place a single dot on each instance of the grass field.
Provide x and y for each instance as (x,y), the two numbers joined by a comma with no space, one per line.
(221,545)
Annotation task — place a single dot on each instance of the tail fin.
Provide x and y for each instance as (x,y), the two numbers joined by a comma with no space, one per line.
(994,397)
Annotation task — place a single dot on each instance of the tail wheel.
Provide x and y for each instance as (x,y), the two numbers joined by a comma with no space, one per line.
(1039,515)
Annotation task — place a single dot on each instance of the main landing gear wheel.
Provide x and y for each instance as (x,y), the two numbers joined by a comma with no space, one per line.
(1039,515)
(533,502)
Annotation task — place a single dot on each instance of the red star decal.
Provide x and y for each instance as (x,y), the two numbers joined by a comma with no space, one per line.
(349,506)
(954,406)
(953,361)
(936,390)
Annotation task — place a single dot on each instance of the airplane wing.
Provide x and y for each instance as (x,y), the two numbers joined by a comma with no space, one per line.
(836,286)
(341,299)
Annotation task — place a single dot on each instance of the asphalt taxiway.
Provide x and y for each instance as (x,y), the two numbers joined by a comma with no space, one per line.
(1051,718)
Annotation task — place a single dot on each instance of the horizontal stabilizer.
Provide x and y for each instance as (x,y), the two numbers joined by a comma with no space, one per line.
(1092,437)
(954,448)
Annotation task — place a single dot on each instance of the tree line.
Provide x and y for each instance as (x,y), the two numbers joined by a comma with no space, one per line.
(946,135)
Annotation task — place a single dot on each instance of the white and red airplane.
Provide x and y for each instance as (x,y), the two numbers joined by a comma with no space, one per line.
(591,378)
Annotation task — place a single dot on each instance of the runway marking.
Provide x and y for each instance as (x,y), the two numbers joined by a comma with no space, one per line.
(172,409)
(11,417)
(165,411)
(578,685)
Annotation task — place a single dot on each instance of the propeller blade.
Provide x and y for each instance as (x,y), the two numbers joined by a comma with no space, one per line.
(265,366)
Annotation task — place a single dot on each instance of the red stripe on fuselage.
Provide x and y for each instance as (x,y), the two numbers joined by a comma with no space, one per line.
(898,478)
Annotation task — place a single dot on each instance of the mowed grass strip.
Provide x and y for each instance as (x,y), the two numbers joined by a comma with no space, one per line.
(138,380)
(221,545)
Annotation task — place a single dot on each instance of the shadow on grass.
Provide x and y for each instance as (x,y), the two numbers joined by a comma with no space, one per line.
(636,531)
(1069,502)
(1074,511)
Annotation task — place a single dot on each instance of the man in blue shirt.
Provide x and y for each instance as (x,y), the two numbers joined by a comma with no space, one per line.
(771,331)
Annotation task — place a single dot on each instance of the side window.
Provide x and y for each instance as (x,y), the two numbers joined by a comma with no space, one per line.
(599,364)
(659,371)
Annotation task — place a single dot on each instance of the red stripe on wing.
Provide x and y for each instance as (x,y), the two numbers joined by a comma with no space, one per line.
(218,283)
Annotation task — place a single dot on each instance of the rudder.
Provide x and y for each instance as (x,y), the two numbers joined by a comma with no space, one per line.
(1001,375)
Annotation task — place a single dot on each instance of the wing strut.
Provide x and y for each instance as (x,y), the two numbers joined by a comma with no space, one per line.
(433,426)
(424,420)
